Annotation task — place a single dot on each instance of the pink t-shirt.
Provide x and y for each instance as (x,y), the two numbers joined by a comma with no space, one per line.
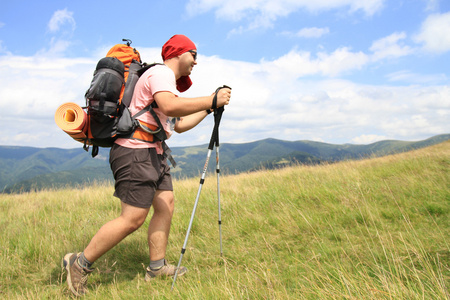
(159,78)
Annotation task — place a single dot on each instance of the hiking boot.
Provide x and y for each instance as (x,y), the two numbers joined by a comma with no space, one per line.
(76,275)
(166,270)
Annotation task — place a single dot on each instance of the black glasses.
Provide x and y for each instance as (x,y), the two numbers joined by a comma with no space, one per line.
(194,54)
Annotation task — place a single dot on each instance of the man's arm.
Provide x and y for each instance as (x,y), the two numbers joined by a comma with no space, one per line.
(188,122)
(173,106)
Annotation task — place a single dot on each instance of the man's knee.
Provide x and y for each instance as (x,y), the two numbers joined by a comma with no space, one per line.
(133,217)
(132,224)
(136,224)
(164,202)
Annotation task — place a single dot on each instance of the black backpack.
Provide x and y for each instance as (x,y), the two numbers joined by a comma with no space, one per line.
(109,96)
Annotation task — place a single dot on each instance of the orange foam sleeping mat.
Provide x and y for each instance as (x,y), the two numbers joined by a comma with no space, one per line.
(73,120)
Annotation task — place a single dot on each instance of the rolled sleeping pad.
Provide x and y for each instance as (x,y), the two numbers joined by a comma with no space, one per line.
(73,120)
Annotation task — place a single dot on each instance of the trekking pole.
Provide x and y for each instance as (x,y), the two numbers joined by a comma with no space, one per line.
(218,182)
(214,141)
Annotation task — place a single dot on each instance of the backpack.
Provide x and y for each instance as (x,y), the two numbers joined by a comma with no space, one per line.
(108,99)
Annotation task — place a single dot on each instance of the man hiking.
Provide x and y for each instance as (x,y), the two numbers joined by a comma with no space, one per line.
(140,169)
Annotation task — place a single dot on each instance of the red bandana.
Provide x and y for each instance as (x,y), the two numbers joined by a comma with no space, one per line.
(175,46)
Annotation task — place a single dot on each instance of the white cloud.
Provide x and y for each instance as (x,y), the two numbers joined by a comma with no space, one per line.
(434,33)
(263,13)
(276,98)
(368,139)
(61,19)
(311,32)
(32,88)
(411,77)
(61,26)
(341,61)
(296,64)
(390,47)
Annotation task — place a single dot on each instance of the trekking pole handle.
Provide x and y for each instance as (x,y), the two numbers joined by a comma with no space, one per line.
(214,103)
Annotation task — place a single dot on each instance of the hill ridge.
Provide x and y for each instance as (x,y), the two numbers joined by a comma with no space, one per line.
(27,168)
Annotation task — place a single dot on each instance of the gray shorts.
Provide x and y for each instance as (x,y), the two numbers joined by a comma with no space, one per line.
(138,174)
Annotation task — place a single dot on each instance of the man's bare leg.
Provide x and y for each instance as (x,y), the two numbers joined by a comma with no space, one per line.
(115,231)
(158,234)
(159,227)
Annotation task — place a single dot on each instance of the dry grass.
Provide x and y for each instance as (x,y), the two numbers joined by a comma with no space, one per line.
(370,229)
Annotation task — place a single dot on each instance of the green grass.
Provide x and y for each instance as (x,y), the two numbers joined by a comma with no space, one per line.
(370,229)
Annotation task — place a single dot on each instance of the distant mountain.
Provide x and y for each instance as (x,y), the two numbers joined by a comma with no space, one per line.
(25,168)
(28,168)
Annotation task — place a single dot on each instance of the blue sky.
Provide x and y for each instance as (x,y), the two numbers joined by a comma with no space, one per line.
(336,71)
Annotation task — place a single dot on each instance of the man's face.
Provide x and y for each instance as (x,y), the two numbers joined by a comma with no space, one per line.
(187,62)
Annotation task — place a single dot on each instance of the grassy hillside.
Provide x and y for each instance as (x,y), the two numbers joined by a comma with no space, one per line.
(368,229)
(27,169)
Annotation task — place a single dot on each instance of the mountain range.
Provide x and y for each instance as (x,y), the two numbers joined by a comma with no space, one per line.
(28,168)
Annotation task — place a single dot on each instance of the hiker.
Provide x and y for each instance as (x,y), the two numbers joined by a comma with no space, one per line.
(140,169)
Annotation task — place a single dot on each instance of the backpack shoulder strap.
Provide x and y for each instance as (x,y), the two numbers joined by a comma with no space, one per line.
(146,67)
(160,134)
(134,72)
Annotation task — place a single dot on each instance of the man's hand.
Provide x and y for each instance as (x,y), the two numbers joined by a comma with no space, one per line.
(223,97)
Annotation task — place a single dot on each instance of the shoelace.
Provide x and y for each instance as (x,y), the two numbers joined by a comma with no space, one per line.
(84,277)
